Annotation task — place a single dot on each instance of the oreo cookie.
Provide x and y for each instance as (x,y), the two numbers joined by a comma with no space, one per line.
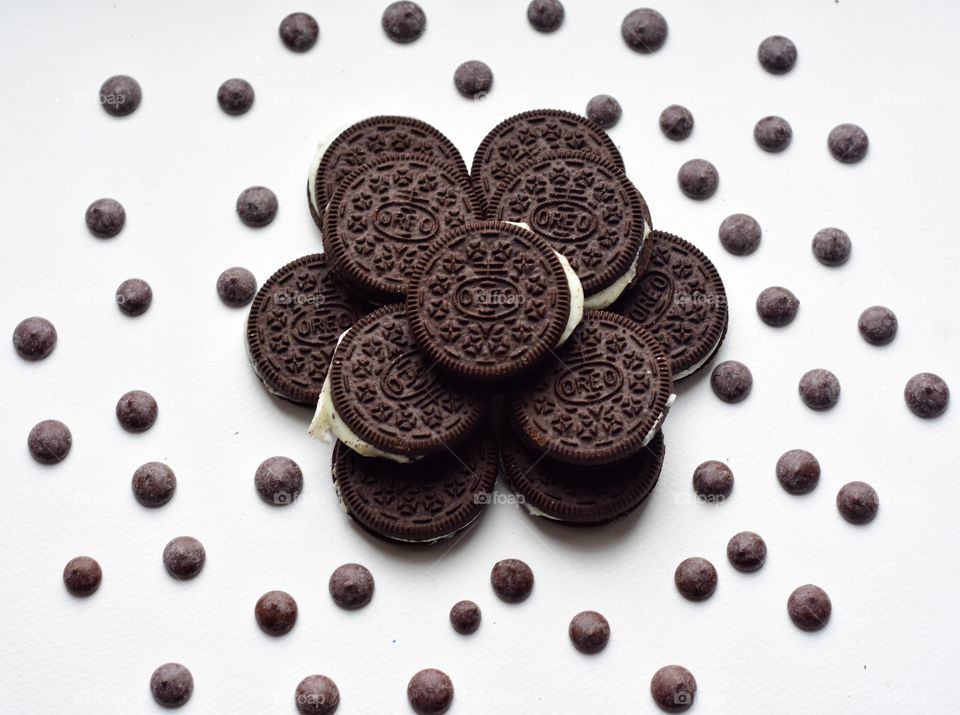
(293,327)
(587,209)
(602,399)
(423,502)
(385,214)
(681,300)
(383,397)
(491,300)
(581,496)
(366,140)
(523,136)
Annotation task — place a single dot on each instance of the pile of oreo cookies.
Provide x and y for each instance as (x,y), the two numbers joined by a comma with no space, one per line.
(534,282)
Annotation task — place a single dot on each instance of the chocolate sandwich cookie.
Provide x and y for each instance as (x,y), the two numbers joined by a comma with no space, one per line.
(385,215)
(491,300)
(581,496)
(423,502)
(587,210)
(522,137)
(601,400)
(367,140)
(681,300)
(293,327)
(383,397)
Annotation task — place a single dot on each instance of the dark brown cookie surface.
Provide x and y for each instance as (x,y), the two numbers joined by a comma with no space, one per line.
(388,393)
(373,137)
(583,206)
(293,326)
(522,137)
(601,400)
(385,215)
(577,495)
(681,300)
(424,501)
(488,301)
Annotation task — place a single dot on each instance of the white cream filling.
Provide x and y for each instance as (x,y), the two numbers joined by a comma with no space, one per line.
(327,424)
(697,365)
(575,287)
(606,296)
(656,425)
(576,300)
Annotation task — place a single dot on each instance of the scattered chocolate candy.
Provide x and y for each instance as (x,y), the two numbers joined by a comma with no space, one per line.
(49,441)
(589,632)
(696,579)
(153,484)
(473,79)
(257,206)
(120,95)
(676,122)
(276,613)
(798,471)
(746,551)
(673,688)
(545,15)
(698,179)
(604,110)
(831,246)
(299,31)
(279,481)
(777,306)
(857,502)
(236,287)
(713,480)
(183,557)
(403,22)
(82,576)
(731,381)
(105,218)
(773,134)
(34,338)
(137,411)
(809,607)
(235,96)
(819,389)
(848,143)
(351,586)
(134,296)
(644,30)
(430,692)
(317,695)
(171,685)
(927,395)
(512,580)
(877,325)
(740,234)
(465,617)
(777,54)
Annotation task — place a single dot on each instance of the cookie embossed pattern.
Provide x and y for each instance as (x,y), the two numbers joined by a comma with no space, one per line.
(384,216)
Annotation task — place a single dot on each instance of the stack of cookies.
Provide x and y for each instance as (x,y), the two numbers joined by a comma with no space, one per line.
(534,279)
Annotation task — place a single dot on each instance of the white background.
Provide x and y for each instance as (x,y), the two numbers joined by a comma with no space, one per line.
(178,165)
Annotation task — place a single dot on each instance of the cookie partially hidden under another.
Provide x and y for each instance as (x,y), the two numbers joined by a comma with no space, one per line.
(602,399)
(423,502)
(581,496)
(383,398)
(681,300)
